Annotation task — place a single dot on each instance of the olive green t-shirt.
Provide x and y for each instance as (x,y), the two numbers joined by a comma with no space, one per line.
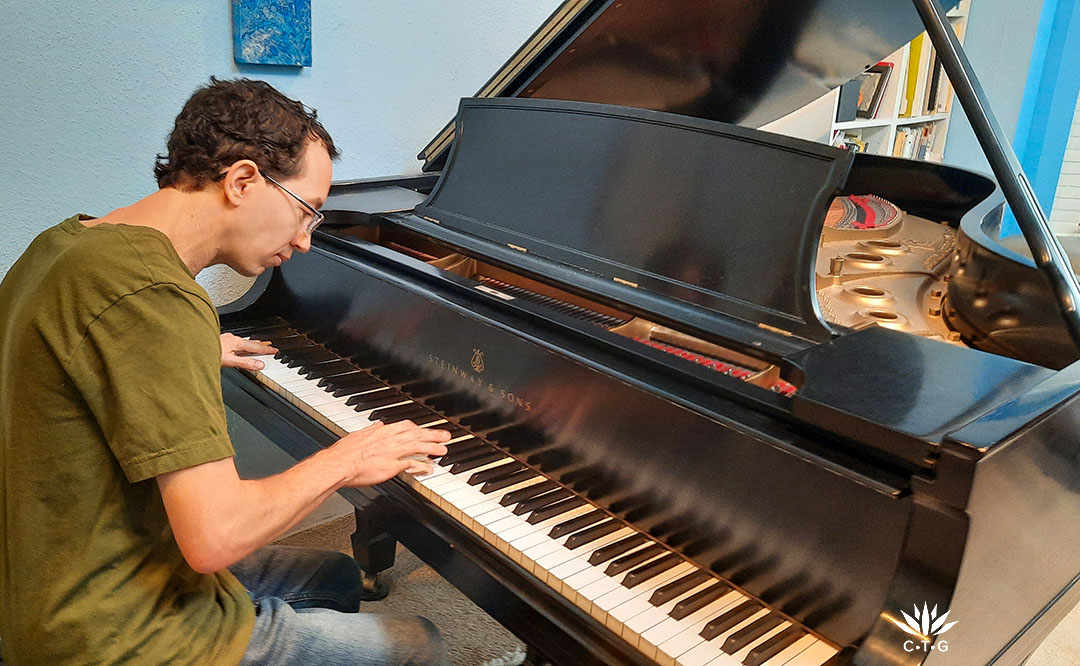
(109,375)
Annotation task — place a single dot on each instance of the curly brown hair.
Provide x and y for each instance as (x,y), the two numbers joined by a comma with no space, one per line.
(227,121)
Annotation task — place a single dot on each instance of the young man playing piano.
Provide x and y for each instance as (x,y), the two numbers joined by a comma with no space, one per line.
(126,535)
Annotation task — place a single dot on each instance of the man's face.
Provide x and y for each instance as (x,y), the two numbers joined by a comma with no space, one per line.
(277,223)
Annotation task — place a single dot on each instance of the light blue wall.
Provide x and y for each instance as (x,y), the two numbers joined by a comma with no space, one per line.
(90,89)
(1000,36)
(1046,114)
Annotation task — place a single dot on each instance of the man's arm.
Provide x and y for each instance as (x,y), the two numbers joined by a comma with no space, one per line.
(218,518)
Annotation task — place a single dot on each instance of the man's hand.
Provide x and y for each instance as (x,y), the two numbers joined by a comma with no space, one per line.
(218,518)
(236,350)
(380,452)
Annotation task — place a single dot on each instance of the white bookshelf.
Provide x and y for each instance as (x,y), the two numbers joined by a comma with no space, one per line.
(817,120)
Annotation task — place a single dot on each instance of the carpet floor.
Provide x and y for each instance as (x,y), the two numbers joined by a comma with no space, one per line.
(475,639)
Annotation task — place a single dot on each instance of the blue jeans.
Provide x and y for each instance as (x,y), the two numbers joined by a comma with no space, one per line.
(306,604)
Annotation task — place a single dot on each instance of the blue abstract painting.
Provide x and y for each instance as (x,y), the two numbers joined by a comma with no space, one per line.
(272,32)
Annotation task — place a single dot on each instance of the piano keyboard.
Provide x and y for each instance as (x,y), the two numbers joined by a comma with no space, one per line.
(669,608)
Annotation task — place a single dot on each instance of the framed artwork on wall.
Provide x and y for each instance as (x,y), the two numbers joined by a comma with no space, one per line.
(872,84)
(272,32)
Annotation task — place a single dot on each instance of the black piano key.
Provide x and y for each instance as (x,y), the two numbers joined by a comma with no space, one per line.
(464,450)
(518,439)
(363,402)
(399,413)
(454,405)
(454,430)
(699,600)
(751,632)
(286,345)
(358,378)
(394,373)
(582,476)
(553,510)
(367,360)
(329,381)
(677,588)
(495,473)
(760,654)
(315,356)
(728,619)
(651,570)
(313,353)
(256,328)
(631,560)
(541,501)
(428,417)
(482,421)
(523,494)
(473,463)
(423,388)
(509,480)
(357,388)
(321,370)
(576,523)
(587,536)
(265,334)
(601,555)
(308,367)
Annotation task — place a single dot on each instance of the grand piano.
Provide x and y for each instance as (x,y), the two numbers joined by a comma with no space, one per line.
(717,395)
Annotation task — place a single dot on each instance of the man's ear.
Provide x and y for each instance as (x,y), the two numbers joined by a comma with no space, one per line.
(240,177)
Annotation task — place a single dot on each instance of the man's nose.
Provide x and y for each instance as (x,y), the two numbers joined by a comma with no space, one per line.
(302,241)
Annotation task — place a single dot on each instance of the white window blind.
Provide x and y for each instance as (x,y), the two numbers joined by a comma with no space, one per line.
(1065,215)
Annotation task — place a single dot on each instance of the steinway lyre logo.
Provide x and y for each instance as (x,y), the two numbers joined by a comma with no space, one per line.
(477,360)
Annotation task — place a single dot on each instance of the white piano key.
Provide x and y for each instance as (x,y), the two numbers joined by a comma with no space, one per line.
(692,625)
(653,616)
(742,654)
(584,578)
(639,603)
(529,540)
(707,651)
(600,588)
(816,654)
(626,610)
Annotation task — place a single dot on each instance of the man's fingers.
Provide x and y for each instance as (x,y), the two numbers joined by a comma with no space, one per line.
(259,347)
(242,362)
(414,447)
(419,468)
(410,429)
(254,347)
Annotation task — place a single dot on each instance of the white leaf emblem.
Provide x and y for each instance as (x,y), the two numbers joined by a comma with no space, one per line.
(926,622)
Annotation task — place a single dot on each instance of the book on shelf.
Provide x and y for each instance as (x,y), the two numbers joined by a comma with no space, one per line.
(850,140)
(914,141)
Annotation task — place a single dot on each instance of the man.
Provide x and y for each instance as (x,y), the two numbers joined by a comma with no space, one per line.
(120,506)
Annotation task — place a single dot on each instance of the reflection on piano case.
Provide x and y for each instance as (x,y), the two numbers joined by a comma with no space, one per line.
(690,425)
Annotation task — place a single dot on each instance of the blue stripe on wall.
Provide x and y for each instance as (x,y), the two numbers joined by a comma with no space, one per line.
(1049,102)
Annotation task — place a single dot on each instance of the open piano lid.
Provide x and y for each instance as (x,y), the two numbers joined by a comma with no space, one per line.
(741,62)
(715,220)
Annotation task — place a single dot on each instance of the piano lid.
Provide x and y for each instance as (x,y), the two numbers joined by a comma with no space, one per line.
(708,216)
(747,62)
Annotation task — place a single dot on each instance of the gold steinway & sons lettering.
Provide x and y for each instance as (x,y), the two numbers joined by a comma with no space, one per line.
(466,374)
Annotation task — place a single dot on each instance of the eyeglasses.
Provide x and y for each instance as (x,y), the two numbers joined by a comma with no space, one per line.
(316,216)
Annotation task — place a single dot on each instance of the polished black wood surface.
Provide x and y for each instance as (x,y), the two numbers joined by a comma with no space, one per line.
(902,472)
(774,500)
(651,199)
(686,456)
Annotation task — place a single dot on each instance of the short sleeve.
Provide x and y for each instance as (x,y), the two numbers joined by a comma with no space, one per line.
(149,369)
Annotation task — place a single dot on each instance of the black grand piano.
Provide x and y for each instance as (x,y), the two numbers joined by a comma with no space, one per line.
(717,395)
